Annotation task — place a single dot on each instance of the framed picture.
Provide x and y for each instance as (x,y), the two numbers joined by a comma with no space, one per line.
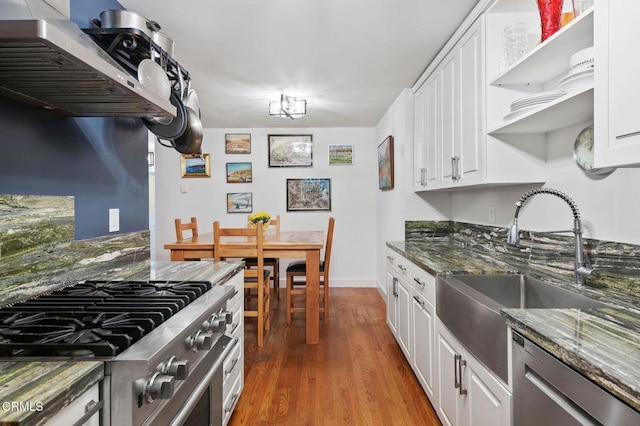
(237,143)
(239,202)
(290,151)
(193,166)
(308,194)
(340,154)
(239,172)
(385,164)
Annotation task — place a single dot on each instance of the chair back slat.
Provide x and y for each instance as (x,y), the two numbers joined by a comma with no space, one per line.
(329,243)
(192,226)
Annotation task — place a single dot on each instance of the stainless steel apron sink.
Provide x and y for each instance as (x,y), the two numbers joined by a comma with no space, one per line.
(469,306)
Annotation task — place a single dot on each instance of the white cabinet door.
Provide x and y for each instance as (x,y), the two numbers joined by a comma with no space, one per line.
(423,342)
(427,136)
(392,303)
(404,317)
(462,116)
(450,118)
(489,403)
(467,393)
(617,128)
(449,402)
(468,147)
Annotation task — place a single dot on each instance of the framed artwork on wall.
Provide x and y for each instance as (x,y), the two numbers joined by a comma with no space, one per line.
(340,155)
(290,150)
(385,164)
(310,194)
(239,172)
(237,143)
(192,166)
(239,202)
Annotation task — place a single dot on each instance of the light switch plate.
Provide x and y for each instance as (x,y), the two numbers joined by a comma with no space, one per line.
(114,220)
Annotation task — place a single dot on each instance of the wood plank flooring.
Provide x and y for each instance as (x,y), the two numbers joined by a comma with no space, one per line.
(356,375)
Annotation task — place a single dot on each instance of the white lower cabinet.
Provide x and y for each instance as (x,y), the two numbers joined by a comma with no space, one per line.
(422,337)
(411,315)
(467,393)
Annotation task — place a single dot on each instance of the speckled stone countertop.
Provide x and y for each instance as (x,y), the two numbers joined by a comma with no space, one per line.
(57,384)
(44,388)
(603,344)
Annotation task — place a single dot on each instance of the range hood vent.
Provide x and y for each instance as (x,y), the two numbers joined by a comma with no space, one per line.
(51,62)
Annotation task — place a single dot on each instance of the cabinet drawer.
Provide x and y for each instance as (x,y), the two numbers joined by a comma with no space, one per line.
(397,263)
(231,367)
(237,309)
(423,282)
(231,398)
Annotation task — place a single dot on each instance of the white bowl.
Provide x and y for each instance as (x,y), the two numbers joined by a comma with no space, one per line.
(581,56)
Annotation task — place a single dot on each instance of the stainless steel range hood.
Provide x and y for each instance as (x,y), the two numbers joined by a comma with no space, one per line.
(47,60)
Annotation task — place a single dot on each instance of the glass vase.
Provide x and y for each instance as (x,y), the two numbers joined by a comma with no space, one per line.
(550,17)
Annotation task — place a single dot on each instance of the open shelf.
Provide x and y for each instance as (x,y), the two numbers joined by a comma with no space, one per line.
(551,58)
(562,112)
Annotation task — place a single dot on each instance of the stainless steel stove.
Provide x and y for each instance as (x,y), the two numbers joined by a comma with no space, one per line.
(163,343)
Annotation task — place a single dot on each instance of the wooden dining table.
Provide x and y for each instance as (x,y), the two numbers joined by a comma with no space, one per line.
(284,244)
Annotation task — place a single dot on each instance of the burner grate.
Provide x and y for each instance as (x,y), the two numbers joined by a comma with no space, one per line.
(93,318)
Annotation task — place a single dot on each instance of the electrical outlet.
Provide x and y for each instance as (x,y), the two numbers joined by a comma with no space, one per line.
(114,220)
(492,214)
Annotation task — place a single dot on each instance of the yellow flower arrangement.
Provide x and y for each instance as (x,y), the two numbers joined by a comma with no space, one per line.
(263,217)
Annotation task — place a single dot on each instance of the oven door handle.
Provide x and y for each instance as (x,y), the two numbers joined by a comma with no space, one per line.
(195,396)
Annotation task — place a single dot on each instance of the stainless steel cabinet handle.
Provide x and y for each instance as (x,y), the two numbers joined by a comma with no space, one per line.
(420,283)
(229,408)
(458,363)
(420,301)
(395,287)
(233,364)
(390,259)
(402,268)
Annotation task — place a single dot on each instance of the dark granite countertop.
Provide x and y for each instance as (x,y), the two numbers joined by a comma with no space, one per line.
(602,344)
(56,384)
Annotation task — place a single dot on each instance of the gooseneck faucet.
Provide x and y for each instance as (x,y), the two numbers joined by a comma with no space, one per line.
(583,268)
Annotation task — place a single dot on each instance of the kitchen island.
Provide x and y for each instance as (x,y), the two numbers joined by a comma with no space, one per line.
(39,390)
(602,344)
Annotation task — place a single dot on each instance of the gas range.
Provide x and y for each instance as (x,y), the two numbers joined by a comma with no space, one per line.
(158,339)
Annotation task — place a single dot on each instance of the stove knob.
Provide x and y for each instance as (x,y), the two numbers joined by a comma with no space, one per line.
(159,386)
(175,367)
(218,325)
(228,316)
(200,341)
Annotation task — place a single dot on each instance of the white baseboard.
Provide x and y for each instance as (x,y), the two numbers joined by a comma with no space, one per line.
(349,282)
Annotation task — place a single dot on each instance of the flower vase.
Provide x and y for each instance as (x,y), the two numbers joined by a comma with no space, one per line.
(265,227)
(550,17)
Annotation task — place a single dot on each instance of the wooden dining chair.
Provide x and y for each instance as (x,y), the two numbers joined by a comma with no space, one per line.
(296,288)
(271,262)
(189,226)
(254,278)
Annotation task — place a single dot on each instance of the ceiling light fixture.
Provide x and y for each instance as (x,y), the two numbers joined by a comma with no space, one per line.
(288,106)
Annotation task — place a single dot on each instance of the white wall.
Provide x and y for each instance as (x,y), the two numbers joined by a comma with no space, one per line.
(394,207)
(353,194)
(609,206)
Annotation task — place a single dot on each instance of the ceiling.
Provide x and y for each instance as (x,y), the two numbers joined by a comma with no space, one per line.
(349,58)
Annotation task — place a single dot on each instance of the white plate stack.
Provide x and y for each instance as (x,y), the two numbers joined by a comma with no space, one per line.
(580,74)
(522,105)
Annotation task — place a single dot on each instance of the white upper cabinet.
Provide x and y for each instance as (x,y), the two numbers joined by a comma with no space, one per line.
(617,127)
(454,106)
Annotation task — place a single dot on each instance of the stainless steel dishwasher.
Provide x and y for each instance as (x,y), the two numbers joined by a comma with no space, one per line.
(548,392)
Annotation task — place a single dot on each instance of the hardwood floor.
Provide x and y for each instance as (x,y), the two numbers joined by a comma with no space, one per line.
(356,375)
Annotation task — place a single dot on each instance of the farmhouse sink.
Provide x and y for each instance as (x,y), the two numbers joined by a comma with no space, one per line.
(469,305)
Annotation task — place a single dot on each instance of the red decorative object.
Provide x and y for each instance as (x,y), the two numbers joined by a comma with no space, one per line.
(550,17)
